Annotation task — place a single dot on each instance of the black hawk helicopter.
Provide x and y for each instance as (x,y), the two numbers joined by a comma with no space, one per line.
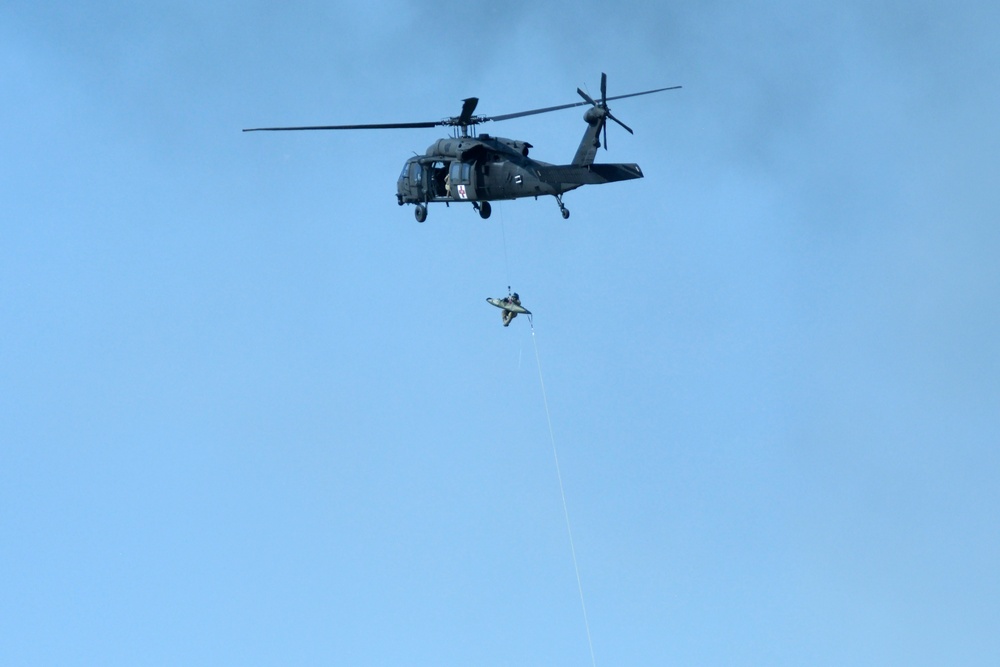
(480,169)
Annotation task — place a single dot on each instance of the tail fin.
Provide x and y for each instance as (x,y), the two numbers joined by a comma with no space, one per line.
(587,152)
(597,121)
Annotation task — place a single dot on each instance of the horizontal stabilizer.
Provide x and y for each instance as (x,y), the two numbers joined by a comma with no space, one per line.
(591,174)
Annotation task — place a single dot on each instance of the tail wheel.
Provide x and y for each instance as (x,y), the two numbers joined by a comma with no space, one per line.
(485,209)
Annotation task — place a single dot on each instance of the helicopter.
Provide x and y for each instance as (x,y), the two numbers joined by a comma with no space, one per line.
(481,168)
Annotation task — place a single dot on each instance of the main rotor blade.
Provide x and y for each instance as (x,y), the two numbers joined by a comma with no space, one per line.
(519,114)
(465,119)
(468,106)
(645,92)
(372,126)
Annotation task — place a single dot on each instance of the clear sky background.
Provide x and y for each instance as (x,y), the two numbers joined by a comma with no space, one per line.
(252,413)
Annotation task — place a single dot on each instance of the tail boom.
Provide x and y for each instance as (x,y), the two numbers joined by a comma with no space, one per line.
(591,174)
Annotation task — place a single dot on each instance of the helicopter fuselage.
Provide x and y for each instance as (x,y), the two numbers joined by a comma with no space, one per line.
(481,169)
(486,168)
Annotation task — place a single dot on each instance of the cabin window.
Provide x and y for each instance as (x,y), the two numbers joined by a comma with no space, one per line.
(461,172)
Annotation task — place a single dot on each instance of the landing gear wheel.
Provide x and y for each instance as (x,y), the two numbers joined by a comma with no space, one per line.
(562,209)
(485,209)
(420,212)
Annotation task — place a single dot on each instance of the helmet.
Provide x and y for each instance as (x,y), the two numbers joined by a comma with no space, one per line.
(516,296)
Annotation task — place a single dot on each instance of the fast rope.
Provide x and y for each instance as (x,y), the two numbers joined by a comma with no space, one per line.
(562,492)
(506,263)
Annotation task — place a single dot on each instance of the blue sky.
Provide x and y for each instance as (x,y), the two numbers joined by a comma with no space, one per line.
(254,414)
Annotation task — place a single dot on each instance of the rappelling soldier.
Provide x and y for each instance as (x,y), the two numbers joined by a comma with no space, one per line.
(512,300)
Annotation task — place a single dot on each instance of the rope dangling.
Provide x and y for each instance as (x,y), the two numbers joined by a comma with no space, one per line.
(506,261)
(562,492)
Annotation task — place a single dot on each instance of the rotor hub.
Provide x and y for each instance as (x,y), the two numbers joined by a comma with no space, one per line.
(594,115)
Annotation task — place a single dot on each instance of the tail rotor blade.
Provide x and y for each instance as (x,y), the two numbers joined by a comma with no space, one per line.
(627,128)
(586,97)
(604,105)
